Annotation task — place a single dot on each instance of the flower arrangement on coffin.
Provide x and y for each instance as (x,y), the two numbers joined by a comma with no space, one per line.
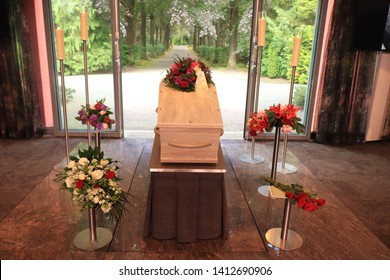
(183,74)
(97,115)
(93,182)
(298,195)
(276,116)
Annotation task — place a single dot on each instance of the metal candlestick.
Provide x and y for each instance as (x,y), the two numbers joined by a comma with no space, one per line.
(60,166)
(284,167)
(284,238)
(94,237)
(264,190)
(86,88)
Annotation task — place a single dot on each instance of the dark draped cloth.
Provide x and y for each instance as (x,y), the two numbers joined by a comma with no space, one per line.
(342,117)
(19,106)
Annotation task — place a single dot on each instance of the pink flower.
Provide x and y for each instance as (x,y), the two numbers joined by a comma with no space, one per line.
(286,128)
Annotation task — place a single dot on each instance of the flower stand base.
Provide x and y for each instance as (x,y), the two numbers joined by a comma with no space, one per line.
(292,242)
(83,239)
(288,168)
(249,159)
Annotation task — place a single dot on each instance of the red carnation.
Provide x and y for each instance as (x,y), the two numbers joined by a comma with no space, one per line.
(110,175)
(79,184)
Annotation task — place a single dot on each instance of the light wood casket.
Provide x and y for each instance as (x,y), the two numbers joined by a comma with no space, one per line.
(190,125)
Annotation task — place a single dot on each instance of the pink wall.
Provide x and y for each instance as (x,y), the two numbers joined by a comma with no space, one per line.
(35,19)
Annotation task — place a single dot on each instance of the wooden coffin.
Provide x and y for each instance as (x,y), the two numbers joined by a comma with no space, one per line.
(189,124)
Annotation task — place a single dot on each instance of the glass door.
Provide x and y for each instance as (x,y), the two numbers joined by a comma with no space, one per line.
(99,50)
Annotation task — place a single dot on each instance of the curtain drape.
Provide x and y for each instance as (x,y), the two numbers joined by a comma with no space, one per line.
(19,106)
(344,104)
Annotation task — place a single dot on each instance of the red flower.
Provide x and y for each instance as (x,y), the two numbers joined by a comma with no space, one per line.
(184,83)
(96,186)
(289,195)
(279,113)
(310,206)
(321,201)
(110,175)
(194,64)
(79,184)
(107,120)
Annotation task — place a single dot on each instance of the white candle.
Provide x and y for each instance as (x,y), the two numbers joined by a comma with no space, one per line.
(261,30)
(84,25)
(60,43)
(296,50)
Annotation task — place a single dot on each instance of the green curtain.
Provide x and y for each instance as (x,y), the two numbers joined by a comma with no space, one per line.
(342,117)
(19,106)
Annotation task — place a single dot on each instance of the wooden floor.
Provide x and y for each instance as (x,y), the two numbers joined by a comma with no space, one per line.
(39,221)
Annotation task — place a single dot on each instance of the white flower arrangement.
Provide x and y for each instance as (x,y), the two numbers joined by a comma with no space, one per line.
(93,182)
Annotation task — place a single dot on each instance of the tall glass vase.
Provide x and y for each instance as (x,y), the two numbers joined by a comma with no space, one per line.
(97,138)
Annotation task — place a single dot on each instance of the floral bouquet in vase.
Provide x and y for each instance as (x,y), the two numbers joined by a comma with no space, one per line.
(93,182)
(97,116)
(184,73)
(276,116)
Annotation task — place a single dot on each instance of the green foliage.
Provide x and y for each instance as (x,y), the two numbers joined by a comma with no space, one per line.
(299,95)
(215,55)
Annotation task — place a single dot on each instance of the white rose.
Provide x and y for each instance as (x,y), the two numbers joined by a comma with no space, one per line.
(96,199)
(83,161)
(104,162)
(81,176)
(71,164)
(106,208)
(97,174)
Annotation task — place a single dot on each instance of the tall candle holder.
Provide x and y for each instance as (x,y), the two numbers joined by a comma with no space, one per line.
(284,167)
(84,38)
(261,28)
(61,56)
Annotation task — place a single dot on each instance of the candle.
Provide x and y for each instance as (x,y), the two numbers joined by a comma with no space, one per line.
(84,25)
(261,30)
(60,43)
(296,50)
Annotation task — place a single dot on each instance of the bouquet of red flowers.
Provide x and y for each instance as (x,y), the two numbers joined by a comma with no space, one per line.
(276,116)
(296,193)
(182,76)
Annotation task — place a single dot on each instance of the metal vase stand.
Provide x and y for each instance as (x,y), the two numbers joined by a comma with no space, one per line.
(283,167)
(282,238)
(94,237)
(252,158)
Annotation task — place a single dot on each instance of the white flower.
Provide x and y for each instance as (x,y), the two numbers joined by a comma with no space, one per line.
(103,162)
(102,112)
(97,174)
(105,126)
(106,207)
(71,164)
(83,161)
(96,199)
(81,176)
(69,182)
